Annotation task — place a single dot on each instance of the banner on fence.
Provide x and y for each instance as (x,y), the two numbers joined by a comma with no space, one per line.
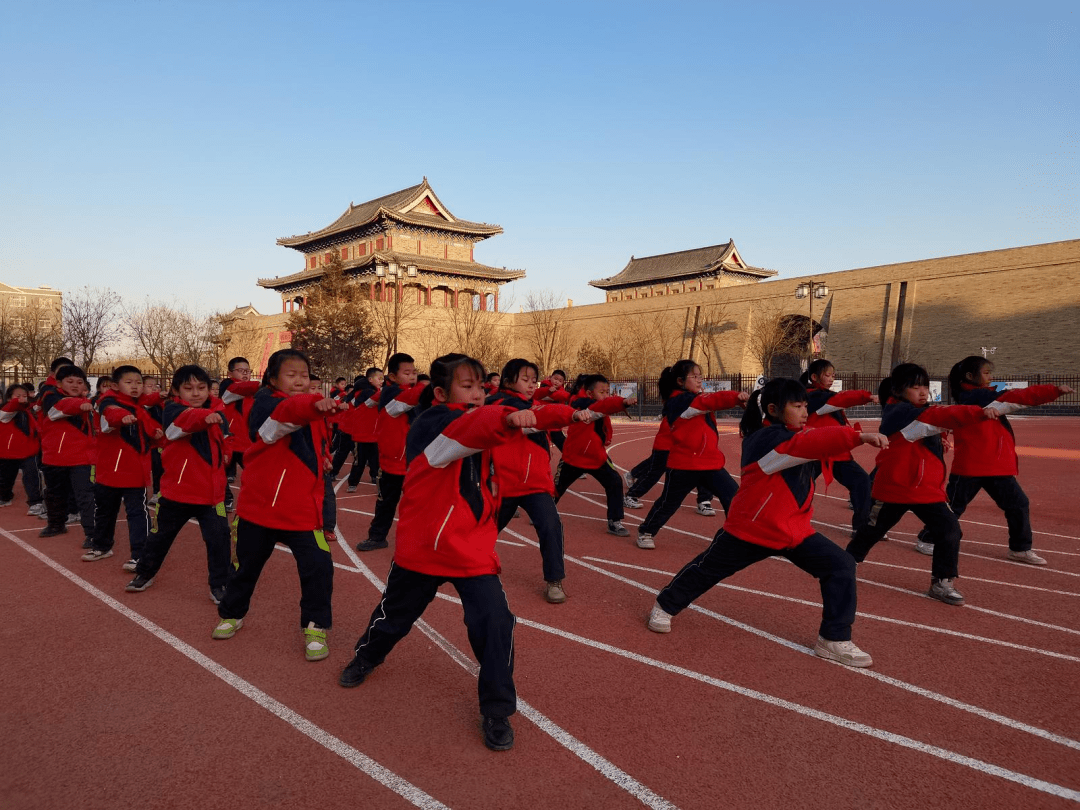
(624,390)
(935,390)
(1008,385)
(712,386)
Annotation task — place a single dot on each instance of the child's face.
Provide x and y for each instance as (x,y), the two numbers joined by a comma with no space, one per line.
(525,384)
(192,392)
(376,379)
(20,394)
(600,391)
(984,376)
(293,377)
(916,395)
(151,385)
(558,380)
(130,385)
(466,388)
(405,375)
(72,386)
(692,382)
(826,378)
(241,372)
(793,414)
(314,386)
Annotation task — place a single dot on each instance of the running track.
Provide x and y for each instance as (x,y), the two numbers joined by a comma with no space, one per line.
(116,700)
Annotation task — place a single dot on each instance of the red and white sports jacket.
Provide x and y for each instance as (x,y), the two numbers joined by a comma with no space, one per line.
(194,454)
(397,405)
(450,497)
(825,408)
(123,450)
(546,392)
(360,422)
(695,441)
(912,468)
(586,442)
(67,433)
(523,464)
(283,483)
(989,448)
(776,495)
(237,395)
(18,431)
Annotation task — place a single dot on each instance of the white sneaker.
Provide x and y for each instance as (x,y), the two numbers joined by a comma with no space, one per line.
(5,503)
(628,479)
(73,518)
(36,509)
(130,566)
(705,508)
(843,652)
(943,591)
(631,503)
(350,489)
(924,548)
(1029,557)
(645,541)
(659,620)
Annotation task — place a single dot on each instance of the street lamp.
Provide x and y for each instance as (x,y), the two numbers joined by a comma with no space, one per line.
(812,290)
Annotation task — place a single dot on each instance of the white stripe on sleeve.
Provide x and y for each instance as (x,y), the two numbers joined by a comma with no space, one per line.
(690,413)
(396,407)
(827,408)
(920,430)
(445,451)
(7,416)
(773,462)
(56,414)
(1005,408)
(229,396)
(272,430)
(173,433)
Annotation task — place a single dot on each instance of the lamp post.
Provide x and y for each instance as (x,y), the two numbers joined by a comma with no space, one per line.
(812,290)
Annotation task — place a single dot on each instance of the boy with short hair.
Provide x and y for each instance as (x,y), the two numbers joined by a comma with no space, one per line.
(397,408)
(358,428)
(67,451)
(236,392)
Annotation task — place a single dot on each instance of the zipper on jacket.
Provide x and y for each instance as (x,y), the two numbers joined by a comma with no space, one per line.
(278,490)
(10,439)
(445,519)
(758,512)
(60,449)
(922,472)
(702,450)
(180,477)
(588,444)
(117,467)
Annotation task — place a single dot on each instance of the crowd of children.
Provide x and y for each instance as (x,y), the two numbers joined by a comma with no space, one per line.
(456,455)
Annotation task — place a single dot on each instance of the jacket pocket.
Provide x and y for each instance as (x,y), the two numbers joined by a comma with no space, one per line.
(760,508)
(277,491)
(443,526)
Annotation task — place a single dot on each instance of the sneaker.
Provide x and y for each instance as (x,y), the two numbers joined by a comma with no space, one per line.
(628,479)
(659,620)
(96,554)
(331,536)
(943,590)
(315,648)
(74,518)
(355,673)
(498,735)
(616,528)
(227,628)
(217,594)
(36,509)
(555,593)
(1029,557)
(52,531)
(154,499)
(5,503)
(87,543)
(924,548)
(843,652)
(231,479)
(645,540)
(372,545)
(139,584)
(705,508)
(350,488)
(130,566)
(631,503)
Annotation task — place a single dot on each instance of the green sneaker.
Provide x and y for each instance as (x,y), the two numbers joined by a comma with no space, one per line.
(315,648)
(228,628)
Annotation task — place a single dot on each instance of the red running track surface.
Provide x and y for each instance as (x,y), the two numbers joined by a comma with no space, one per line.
(123,700)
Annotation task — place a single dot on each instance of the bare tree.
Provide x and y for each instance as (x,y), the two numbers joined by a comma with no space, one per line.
(546,331)
(609,355)
(711,321)
(236,336)
(771,334)
(481,334)
(37,335)
(91,317)
(393,316)
(171,336)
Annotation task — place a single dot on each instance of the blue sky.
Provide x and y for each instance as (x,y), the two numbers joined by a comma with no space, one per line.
(160,148)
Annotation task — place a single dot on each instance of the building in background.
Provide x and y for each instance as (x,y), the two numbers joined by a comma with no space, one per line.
(31,331)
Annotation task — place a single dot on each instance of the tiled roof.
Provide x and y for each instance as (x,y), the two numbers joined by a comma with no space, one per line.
(681,265)
(393,206)
(424,264)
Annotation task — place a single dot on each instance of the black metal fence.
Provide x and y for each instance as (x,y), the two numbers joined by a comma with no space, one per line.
(649,404)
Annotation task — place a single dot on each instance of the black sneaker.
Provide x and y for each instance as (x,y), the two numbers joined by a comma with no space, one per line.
(52,531)
(498,735)
(217,594)
(87,543)
(616,528)
(372,545)
(139,584)
(355,673)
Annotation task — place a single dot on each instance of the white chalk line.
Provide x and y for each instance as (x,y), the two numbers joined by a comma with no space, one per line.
(335,745)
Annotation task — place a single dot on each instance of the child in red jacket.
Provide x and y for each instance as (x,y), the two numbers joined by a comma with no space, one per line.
(447,533)
(523,467)
(281,499)
(124,441)
(695,459)
(67,451)
(19,448)
(193,481)
(911,473)
(358,427)
(236,392)
(397,404)
(770,515)
(825,408)
(985,453)
(586,442)
(553,389)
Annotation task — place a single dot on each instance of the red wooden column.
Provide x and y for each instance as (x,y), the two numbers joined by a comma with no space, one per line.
(284,305)
(495,302)
(372,290)
(428,301)
(483,302)
(455,299)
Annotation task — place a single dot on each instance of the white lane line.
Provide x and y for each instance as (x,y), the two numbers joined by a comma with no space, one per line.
(914,625)
(966,578)
(806,711)
(903,685)
(361,761)
(586,754)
